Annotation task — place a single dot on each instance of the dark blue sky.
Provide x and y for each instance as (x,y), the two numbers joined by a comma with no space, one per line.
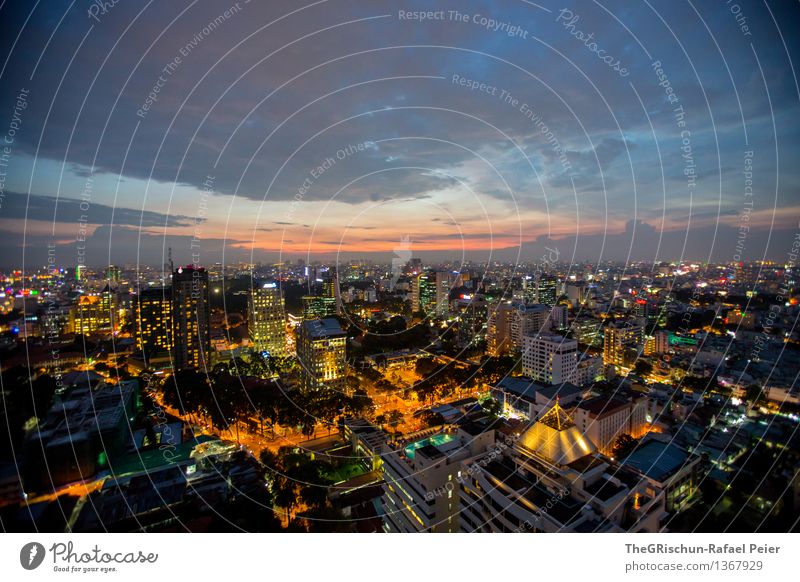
(340,128)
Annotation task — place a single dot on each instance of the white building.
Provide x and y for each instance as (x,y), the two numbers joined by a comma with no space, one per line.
(550,358)
(528,320)
(604,420)
(420,480)
(589,370)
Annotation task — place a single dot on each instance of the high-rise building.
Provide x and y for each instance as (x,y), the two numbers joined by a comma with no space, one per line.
(420,481)
(331,289)
(499,329)
(423,292)
(113,274)
(322,353)
(662,341)
(621,342)
(442,293)
(547,290)
(576,292)
(550,358)
(154,324)
(587,330)
(473,314)
(267,320)
(528,320)
(95,312)
(191,312)
(318,306)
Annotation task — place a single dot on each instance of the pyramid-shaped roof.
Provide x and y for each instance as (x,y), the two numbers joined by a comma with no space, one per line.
(556,438)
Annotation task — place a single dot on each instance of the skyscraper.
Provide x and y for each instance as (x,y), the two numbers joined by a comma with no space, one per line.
(267,320)
(318,306)
(499,329)
(430,292)
(191,315)
(322,353)
(442,293)
(95,312)
(423,292)
(528,320)
(621,342)
(154,324)
(547,290)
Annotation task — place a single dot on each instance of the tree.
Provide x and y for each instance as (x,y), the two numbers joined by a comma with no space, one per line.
(431,418)
(754,394)
(623,445)
(360,403)
(492,407)
(393,418)
(284,494)
(643,367)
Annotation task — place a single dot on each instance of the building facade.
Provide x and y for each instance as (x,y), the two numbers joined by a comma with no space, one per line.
(191,312)
(552,359)
(267,320)
(322,353)
(154,322)
(621,344)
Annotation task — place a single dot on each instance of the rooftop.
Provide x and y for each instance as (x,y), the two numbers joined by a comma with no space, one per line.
(602,405)
(323,328)
(657,460)
(556,438)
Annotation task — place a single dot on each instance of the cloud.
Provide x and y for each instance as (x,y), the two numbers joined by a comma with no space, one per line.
(345,97)
(70,210)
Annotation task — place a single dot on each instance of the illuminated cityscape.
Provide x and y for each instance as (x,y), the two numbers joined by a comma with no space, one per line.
(406,418)
(380,267)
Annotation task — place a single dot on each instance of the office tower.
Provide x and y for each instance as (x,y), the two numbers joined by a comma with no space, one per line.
(191,312)
(423,292)
(442,293)
(267,320)
(94,313)
(621,342)
(527,320)
(550,358)
(318,306)
(499,329)
(529,292)
(113,274)
(330,290)
(587,330)
(547,290)
(154,323)
(322,353)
